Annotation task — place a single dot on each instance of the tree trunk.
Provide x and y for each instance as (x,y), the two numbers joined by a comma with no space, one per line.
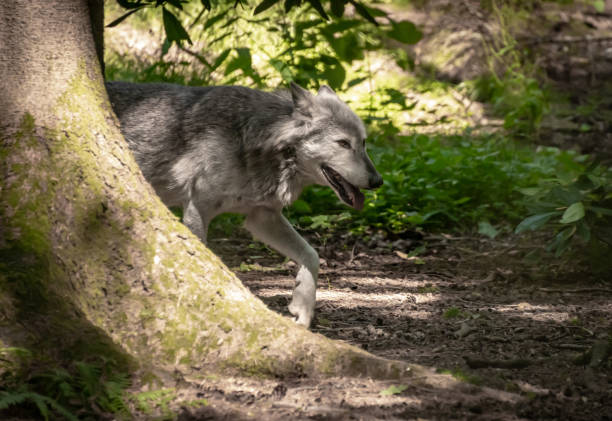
(91,262)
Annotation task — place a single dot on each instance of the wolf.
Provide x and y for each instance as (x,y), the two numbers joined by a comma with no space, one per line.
(222,149)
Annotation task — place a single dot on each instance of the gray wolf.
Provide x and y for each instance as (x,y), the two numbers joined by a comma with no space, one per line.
(234,149)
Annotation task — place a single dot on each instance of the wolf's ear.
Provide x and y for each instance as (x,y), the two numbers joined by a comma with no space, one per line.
(326,90)
(303,100)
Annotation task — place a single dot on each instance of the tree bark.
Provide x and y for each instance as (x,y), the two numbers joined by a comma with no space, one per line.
(91,262)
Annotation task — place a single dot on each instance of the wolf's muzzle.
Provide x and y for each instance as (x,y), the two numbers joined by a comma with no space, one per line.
(375,181)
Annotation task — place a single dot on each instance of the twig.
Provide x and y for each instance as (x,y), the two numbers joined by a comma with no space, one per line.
(575,347)
(576,290)
(581,328)
(490,277)
(350,262)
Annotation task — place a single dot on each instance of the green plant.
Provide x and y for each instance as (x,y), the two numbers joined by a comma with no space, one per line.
(454,312)
(393,390)
(436,182)
(85,388)
(461,375)
(146,402)
(299,42)
(46,406)
(575,203)
(520,98)
(514,86)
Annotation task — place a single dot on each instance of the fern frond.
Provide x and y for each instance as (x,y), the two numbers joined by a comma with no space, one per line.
(43,403)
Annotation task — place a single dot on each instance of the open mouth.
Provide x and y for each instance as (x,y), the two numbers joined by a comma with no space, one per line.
(348,193)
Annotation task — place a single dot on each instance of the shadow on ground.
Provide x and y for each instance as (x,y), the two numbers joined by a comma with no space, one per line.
(470,307)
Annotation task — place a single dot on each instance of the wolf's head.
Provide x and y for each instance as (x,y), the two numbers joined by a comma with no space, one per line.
(332,151)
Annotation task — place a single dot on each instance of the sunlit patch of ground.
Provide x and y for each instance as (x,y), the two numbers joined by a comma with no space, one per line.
(469,300)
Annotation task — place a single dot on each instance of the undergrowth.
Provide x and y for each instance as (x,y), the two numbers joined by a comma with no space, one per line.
(486,183)
(82,391)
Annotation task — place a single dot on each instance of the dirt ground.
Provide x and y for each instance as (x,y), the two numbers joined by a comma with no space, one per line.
(535,337)
(528,341)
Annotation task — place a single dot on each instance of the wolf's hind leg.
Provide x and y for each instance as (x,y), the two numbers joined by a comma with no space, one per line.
(196,221)
(271,227)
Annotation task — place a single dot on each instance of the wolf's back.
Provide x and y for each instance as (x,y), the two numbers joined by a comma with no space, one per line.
(179,132)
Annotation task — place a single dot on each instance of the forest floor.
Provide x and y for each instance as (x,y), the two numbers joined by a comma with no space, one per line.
(539,333)
(530,341)
(467,306)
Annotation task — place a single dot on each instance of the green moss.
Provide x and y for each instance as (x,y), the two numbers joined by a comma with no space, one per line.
(42,184)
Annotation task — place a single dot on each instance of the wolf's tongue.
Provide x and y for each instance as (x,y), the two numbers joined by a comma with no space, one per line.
(358,198)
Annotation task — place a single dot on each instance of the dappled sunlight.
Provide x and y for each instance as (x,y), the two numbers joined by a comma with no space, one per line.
(541,313)
(356,298)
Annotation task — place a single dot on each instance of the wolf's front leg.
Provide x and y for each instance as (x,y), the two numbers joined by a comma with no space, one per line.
(196,220)
(271,227)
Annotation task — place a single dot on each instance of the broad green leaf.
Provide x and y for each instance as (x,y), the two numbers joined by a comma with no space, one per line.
(573,213)
(213,20)
(405,31)
(165,47)
(485,228)
(566,196)
(535,221)
(356,81)
(220,59)
(583,231)
(264,5)
(395,97)
(123,17)
(342,25)
(284,70)
(363,11)
(242,62)
(173,27)
(335,75)
(130,4)
(346,47)
(562,241)
(393,390)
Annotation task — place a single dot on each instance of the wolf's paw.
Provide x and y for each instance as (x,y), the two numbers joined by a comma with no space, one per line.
(303,314)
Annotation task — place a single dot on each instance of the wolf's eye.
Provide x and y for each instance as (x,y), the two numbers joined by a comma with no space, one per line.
(344,143)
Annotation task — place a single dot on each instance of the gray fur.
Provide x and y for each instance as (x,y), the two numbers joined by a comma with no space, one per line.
(234,149)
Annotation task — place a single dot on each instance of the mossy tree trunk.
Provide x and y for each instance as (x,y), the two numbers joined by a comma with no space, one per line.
(91,262)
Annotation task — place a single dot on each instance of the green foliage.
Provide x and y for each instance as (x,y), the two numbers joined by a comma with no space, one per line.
(461,375)
(433,182)
(307,47)
(437,182)
(521,99)
(513,86)
(84,391)
(576,204)
(158,400)
(393,390)
(453,313)
(45,405)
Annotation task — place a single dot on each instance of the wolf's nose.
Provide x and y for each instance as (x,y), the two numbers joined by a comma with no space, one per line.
(376,181)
